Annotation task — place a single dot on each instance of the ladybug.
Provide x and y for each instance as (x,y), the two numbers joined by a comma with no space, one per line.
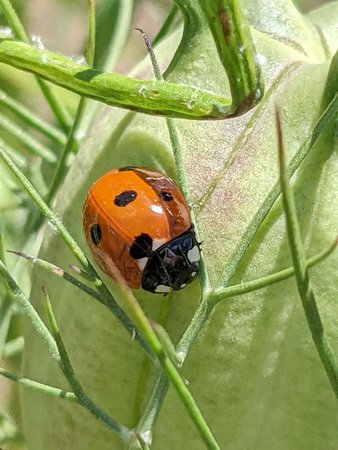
(137,220)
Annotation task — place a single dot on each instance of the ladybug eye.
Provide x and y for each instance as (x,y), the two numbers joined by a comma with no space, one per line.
(165,196)
(125,198)
(96,233)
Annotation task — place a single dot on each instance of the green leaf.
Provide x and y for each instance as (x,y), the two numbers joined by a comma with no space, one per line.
(253,370)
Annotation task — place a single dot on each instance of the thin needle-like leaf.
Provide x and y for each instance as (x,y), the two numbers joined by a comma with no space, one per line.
(178,157)
(27,140)
(20,33)
(72,142)
(243,288)
(90,46)
(26,307)
(39,387)
(113,50)
(31,119)
(55,270)
(136,312)
(75,249)
(67,368)
(301,272)
(17,157)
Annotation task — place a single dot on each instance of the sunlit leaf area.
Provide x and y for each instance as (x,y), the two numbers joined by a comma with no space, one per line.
(189,300)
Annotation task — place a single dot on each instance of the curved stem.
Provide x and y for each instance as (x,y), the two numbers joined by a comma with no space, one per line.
(300,267)
(232,37)
(151,97)
(243,288)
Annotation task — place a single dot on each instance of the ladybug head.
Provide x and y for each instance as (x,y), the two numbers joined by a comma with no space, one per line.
(173,265)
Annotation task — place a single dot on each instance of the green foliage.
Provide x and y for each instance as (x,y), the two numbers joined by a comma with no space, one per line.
(234,346)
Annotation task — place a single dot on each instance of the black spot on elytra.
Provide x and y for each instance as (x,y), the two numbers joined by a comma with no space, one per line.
(165,196)
(141,247)
(125,198)
(96,233)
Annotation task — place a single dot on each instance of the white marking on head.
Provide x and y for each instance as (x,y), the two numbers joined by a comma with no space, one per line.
(142,262)
(193,274)
(194,254)
(162,289)
(183,285)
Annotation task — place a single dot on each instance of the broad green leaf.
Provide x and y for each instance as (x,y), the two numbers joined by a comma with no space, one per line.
(254,370)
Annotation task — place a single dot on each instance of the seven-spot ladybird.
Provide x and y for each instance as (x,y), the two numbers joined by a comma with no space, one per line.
(137,220)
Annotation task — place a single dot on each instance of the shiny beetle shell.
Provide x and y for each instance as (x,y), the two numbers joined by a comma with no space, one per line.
(137,220)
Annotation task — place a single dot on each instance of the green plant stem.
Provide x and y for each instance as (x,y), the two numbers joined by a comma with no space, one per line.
(6,309)
(27,140)
(161,385)
(19,32)
(90,46)
(327,117)
(55,270)
(150,97)
(67,368)
(70,147)
(249,286)
(2,250)
(198,321)
(109,301)
(178,157)
(72,143)
(116,45)
(177,151)
(39,387)
(97,282)
(46,211)
(153,406)
(232,37)
(136,312)
(26,308)
(145,96)
(301,273)
(6,312)
(201,315)
(18,158)
(31,119)
(119,35)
